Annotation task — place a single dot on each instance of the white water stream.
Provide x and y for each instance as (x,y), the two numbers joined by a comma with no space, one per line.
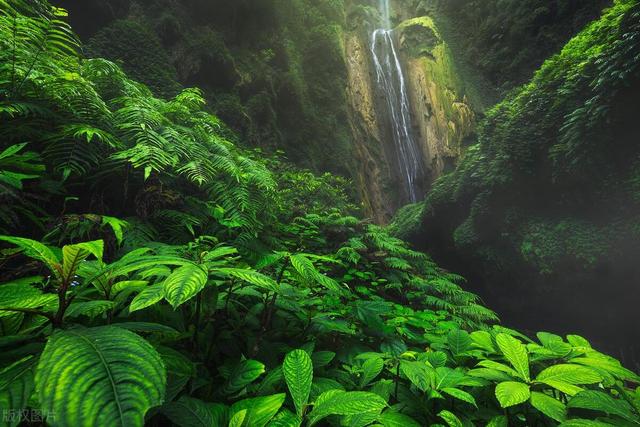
(391,83)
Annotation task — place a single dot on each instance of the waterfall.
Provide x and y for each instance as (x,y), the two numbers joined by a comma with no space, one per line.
(391,84)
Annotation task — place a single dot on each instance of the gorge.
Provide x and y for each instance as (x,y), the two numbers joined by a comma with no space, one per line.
(287,213)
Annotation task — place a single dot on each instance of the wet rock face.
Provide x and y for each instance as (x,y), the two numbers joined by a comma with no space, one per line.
(441,115)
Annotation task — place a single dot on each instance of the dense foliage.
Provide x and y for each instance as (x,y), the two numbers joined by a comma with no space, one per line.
(154,272)
(506,40)
(549,194)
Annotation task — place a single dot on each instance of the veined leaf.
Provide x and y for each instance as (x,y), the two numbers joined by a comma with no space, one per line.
(190,412)
(420,375)
(285,418)
(149,296)
(516,353)
(259,409)
(371,368)
(566,388)
(322,358)
(572,374)
(23,296)
(16,385)
(391,418)
(549,406)
(250,276)
(91,309)
(450,418)
(73,255)
(338,402)
(602,402)
(237,419)
(459,341)
(460,395)
(35,250)
(298,373)
(499,421)
(246,372)
(104,376)
(184,283)
(584,423)
(511,393)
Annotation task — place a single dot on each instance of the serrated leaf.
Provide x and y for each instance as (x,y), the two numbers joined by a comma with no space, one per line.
(259,409)
(549,406)
(35,250)
(23,296)
(104,376)
(516,353)
(371,368)
(184,283)
(91,309)
(420,375)
(450,418)
(245,372)
(190,412)
(572,374)
(459,341)
(149,296)
(250,276)
(391,418)
(511,393)
(338,402)
(460,395)
(602,402)
(16,385)
(298,373)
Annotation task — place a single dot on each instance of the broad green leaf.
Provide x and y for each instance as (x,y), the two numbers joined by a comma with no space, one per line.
(490,364)
(237,420)
(16,385)
(602,402)
(371,368)
(91,309)
(117,225)
(483,340)
(250,276)
(184,283)
(298,373)
(420,375)
(245,372)
(190,412)
(584,423)
(35,250)
(572,374)
(436,358)
(259,409)
(338,402)
(516,353)
(73,255)
(391,418)
(104,376)
(578,341)
(499,421)
(23,296)
(149,296)
(285,418)
(566,388)
(450,418)
(322,358)
(459,341)
(608,364)
(460,395)
(549,406)
(304,267)
(511,393)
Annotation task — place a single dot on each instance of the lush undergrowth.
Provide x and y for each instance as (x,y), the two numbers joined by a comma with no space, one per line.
(155,273)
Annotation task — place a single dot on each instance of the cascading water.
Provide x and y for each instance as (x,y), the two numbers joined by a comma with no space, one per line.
(391,84)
